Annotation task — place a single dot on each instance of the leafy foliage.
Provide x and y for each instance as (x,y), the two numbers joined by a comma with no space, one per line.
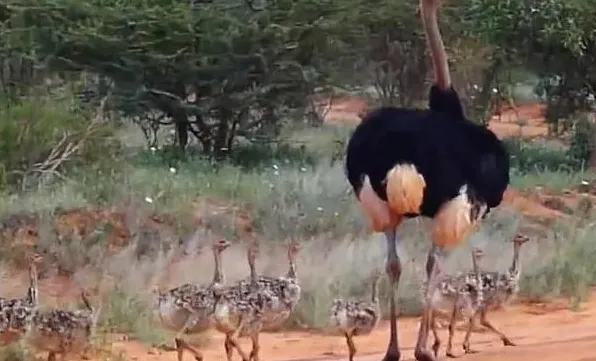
(37,139)
(215,72)
(218,71)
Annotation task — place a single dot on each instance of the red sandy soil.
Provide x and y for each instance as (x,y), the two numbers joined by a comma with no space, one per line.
(542,331)
(526,121)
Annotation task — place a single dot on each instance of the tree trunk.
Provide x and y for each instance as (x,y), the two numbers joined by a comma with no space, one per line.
(173,107)
(484,101)
(203,134)
(592,146)
(182,127)
(221,133)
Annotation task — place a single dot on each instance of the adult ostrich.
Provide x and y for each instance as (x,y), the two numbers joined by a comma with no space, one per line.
(433,163)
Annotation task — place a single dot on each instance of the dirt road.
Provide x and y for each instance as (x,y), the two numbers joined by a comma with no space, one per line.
(543,332)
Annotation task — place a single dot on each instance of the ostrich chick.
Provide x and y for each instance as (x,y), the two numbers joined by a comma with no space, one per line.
(356,317)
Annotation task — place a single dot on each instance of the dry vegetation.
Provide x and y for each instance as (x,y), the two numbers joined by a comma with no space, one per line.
(124,232)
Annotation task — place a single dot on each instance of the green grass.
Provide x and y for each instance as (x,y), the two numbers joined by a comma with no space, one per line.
(125,312)
(551,180)
(567,267)
(15,352)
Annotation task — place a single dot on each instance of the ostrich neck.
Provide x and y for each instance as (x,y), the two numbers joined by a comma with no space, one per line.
(292,268)
(374,291)
(218,275)
(253,272)
(32,294)
(514,270)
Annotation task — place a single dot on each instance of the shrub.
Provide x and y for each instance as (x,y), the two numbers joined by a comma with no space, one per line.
(528,157)
(38,138)
(581,140)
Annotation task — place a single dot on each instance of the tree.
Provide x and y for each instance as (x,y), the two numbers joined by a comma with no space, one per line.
(214,69)
(554,38)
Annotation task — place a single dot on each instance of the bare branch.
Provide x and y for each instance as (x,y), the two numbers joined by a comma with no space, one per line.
(62,152)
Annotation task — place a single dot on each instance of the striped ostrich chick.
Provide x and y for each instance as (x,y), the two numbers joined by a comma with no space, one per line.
(286,287)
(405,163)
(16,314)
(188,309)
(239,312)
(498,289)
(461,294)
(356,317)
(63,332)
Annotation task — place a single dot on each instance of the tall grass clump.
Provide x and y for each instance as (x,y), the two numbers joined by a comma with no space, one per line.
(124,312)
(15,352)
(563,264)
(307,204)
(128,292)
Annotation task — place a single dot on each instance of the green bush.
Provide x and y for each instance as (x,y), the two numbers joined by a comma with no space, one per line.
(36,132)
(581,140)
(248,157)
(528,157)
(259,155)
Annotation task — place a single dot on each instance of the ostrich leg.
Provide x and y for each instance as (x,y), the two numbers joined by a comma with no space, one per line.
(393,269)
(421,352)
